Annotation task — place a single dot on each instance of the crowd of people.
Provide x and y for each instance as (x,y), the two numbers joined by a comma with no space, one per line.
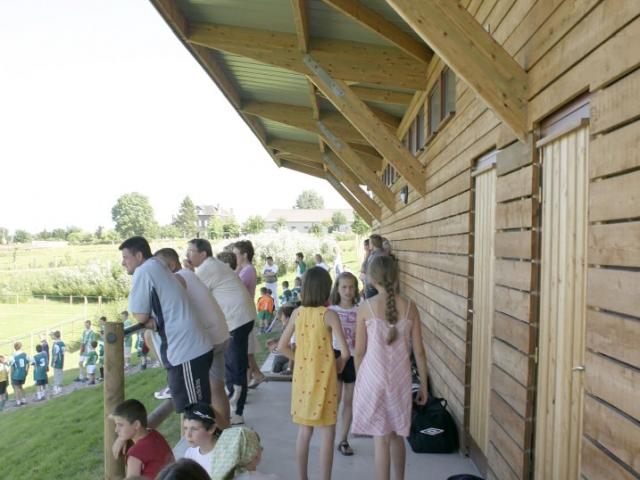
(348,349)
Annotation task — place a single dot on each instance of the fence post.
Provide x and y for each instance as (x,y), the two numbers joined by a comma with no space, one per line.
(113,394)
(70,300)
(99,302)
(85,308)
(45,299)
(17,299)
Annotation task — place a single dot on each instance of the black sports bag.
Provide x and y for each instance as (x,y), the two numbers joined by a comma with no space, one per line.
(432,428)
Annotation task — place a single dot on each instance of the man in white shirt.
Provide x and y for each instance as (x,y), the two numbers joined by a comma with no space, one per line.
(214,323)
(240,312)
(270,274)
(160,303)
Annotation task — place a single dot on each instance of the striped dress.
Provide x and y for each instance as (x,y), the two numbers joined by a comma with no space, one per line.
(382,397)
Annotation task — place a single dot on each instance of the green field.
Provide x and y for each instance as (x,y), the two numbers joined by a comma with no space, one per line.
(62,437)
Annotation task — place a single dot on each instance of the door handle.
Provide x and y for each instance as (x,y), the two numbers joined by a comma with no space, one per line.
(579,368)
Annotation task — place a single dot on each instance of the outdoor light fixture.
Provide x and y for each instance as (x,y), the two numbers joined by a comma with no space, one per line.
(404,194)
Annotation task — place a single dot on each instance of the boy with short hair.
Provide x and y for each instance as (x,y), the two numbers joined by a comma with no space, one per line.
(19,368)
(150,452)
(265,308)
(90,362)
(286,293)
(301,266)
(4,381)
(40,364)
(88,336)
(295,291)
(57,362)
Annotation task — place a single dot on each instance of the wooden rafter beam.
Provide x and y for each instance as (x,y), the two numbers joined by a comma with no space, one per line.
(359,167)
(383,27)
(362,118)
(344,176)
(310,150)
(299,167)
(350,199)
(462,43)
(299,159)
(379,95)
(301,22)
(302,117)
(349,61)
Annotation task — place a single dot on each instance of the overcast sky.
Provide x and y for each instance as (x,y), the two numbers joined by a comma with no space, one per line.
(99,98)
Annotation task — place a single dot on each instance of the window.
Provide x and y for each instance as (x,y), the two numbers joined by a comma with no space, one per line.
(442,100)
(389,175)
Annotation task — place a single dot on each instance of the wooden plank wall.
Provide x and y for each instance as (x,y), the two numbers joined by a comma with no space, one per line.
(515,320)
(611,435)
(568,47)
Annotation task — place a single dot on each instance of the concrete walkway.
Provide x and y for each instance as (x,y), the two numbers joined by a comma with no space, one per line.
(267,412)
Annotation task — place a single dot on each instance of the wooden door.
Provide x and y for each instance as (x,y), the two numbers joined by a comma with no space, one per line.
(562,306)
(483,262)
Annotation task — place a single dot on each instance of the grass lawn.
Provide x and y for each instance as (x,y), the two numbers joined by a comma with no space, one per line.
(62,437)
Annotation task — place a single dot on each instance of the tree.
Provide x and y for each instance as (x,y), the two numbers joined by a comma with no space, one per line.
(187,218)
(215,229)
(359,226)
(58,234)
(309,199)
(133,215)
(254,224)
(316,229)
(22,236)
(281,224)
(169,231)
(338,219)
(230,228)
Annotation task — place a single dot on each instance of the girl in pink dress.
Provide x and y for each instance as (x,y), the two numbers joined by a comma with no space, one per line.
(387,329)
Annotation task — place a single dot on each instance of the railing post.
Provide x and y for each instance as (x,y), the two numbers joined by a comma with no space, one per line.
(113,394)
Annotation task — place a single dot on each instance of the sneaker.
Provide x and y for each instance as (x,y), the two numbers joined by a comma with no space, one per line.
(163,394)
(78,379)
(233,399)
(92,382)
(236,419)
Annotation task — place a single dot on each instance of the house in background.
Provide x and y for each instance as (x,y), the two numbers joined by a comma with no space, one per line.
(301,219)
(207,212)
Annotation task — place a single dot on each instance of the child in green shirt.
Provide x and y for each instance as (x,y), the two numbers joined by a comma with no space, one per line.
(40,365)
(91,358)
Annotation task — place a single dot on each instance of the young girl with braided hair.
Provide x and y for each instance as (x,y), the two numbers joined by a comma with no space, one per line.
(387,330)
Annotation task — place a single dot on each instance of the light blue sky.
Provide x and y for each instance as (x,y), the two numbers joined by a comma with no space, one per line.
(99,98)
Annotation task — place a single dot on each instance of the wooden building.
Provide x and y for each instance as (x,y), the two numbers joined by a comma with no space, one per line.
(500,140)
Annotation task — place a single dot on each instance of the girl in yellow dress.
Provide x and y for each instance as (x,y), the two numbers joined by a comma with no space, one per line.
(314,390)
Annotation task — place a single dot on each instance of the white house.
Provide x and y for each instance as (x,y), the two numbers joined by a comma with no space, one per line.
(301,219)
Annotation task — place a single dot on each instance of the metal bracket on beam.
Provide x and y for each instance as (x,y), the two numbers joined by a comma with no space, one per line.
(322,74)
(329,135)
(331,164)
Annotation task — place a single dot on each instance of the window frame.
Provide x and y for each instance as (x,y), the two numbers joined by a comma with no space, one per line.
(442,99)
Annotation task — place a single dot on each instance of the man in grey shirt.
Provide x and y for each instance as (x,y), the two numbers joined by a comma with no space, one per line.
(159,302)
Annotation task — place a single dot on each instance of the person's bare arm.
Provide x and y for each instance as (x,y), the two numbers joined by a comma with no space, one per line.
(284,347)
(419,354)
(361,337)
(332,321)
(134,467)
(145,319)
(119,447)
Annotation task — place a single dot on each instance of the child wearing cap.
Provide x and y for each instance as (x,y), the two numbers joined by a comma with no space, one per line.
(238,453)
(201,432)
(150,452)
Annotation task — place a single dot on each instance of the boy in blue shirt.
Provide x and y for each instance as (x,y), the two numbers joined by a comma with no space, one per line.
(19,368)
(57,362)
(40,365)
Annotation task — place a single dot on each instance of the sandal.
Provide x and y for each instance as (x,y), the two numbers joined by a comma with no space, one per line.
(345,449)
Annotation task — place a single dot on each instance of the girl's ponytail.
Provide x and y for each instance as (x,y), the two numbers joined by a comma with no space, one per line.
(391,313)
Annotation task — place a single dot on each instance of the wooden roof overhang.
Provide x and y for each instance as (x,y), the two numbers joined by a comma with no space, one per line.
(329,87)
